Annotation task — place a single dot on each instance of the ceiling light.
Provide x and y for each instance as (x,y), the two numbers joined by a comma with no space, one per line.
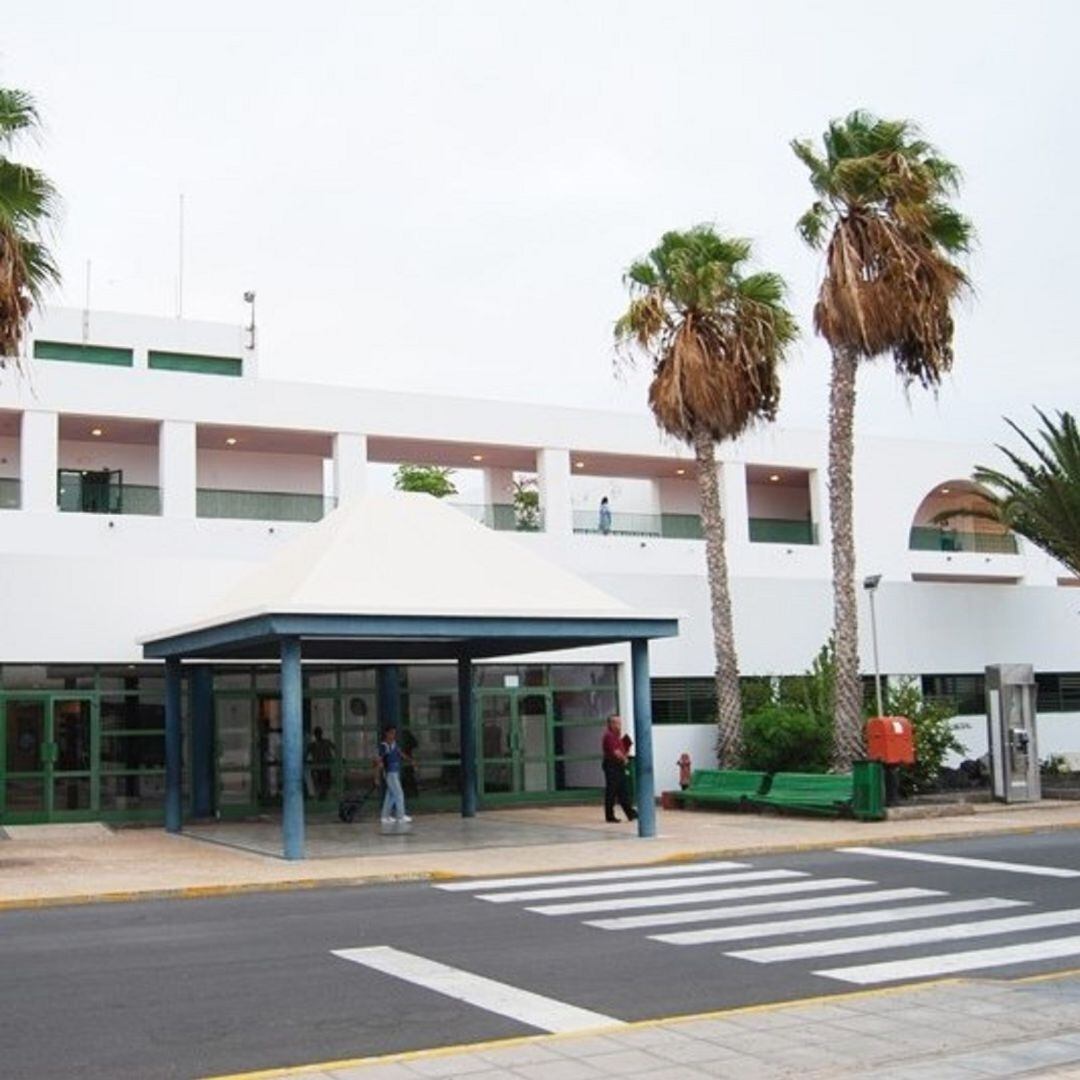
(945,491)
(231,440)
(478,457)
(579,464)
(680,472)
(96,432)
(774,478)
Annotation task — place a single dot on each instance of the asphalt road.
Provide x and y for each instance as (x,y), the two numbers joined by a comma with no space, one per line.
(201,987)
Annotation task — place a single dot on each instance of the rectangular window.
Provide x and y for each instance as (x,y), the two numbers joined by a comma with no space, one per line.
(194,363)
(967,693)
(110,355)
(684,701)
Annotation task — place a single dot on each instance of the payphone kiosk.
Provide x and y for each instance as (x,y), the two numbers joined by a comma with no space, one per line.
(1010,717)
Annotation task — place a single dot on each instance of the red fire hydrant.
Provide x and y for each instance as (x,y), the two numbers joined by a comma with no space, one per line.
(685,768)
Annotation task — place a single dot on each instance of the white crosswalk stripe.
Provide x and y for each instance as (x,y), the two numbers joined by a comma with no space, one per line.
(728,905)
(927,935)
(956,860)
(768,907)
(631,903)
(620,888)
(877,917)
(590,875)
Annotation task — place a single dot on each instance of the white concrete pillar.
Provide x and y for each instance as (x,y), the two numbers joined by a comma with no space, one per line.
(177,468)
(38,461)
(498,487)
(819,506)
(553,474)
(350,466)
(734,503)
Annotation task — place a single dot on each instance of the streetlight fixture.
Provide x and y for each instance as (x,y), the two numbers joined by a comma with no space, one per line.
(870,584)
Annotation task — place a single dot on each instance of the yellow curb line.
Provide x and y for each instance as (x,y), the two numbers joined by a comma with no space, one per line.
(632,1025)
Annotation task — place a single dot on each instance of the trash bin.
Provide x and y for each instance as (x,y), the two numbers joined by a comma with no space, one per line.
(868,795)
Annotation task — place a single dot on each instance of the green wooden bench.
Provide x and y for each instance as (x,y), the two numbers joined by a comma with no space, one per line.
(726,787)
(813,793)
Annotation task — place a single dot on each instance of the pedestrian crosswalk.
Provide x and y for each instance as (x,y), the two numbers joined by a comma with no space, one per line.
(779,915)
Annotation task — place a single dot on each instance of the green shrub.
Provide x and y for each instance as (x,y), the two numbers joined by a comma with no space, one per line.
(935,734)
(782,738)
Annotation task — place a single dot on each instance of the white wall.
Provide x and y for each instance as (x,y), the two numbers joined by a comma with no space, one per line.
(139,463)
(671,740)
(249,471)
(775,501)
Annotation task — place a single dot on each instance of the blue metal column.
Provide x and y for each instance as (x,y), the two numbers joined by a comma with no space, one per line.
(173,747)
(292,749)
(201,710)
(389,696)
(466,737)
(643,757)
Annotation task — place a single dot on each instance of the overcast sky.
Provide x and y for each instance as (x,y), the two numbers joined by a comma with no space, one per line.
(443,196)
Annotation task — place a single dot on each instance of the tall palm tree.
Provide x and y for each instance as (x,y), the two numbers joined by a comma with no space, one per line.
(715,338)
(1042,503)
(27,204)
(890,235)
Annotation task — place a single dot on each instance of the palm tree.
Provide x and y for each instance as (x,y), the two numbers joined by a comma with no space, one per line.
(27,203)
(714,338)
(1043,502)
(882,214)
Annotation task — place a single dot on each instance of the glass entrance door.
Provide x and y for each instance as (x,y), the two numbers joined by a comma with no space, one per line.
(515,742)
(49,758)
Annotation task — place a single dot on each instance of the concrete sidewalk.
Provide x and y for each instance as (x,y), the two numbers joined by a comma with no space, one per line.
(50,864)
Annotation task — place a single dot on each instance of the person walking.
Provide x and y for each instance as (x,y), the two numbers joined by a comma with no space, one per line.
(320,755)
(605,515)
(390,758)
(614,747)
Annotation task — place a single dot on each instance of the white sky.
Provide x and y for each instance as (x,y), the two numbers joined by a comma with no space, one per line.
(443,196)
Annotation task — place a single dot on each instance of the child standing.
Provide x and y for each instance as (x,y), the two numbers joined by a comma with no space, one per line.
(390,758)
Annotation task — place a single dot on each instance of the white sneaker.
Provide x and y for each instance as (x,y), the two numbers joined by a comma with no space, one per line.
(404,818)
(387,820)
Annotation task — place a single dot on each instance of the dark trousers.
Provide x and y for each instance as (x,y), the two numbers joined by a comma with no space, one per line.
(615,791)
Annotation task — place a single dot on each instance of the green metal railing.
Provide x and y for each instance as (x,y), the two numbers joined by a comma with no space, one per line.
(681,527)
(261,505)
(779,531)
(937,538)
(10,498)
(503,517)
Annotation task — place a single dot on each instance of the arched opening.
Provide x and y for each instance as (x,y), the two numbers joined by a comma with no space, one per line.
(948,520)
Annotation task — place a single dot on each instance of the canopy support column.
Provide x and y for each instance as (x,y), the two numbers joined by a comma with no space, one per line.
(643,756)
(173,746)
(388,685)
(467,737)
(292,749)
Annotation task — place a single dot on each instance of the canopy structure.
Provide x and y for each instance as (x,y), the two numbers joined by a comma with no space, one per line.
(402,577)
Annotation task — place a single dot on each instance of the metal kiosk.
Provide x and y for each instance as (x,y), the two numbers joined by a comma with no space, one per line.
(1010,717)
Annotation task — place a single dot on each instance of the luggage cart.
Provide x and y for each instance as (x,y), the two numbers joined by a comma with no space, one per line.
(352,806)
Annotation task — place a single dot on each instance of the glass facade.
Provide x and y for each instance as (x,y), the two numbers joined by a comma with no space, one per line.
(87,742)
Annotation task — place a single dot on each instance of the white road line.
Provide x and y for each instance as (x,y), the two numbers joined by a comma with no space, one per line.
(620,888)
(948,963)
(630,903)
(774,907)
(955,860)
(876,917)
(592,875)
(923,936)
(537,1011)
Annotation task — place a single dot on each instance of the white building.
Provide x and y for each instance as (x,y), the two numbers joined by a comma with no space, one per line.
(144,467)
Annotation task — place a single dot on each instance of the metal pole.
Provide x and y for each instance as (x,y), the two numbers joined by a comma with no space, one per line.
(292,749)
(467,739)
(643,756)
(877,666)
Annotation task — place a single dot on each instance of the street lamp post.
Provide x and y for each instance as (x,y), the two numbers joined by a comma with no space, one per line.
(870,584)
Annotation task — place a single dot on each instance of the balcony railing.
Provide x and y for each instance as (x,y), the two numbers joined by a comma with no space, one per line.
(665,526)
(503,517)
(937,538)
(77,496)
(9,493)
(261,505)
(780,531)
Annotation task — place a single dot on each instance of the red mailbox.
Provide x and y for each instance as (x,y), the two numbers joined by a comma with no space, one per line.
(889,740)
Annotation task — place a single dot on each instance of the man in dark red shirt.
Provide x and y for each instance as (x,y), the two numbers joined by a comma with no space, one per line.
(615,746)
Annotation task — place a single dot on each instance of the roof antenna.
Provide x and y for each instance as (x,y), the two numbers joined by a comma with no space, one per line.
(249,298)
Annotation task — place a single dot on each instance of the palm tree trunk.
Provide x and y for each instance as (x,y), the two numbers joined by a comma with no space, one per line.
(728,700)
(847,691)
